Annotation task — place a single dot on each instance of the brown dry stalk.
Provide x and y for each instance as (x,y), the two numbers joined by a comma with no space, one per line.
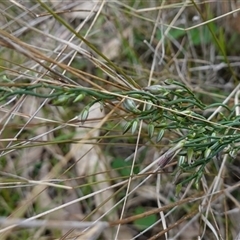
(153,211)
(186,200)
(184,218)
(9,41)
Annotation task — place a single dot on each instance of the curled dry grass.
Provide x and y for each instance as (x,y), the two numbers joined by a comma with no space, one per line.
(67,169)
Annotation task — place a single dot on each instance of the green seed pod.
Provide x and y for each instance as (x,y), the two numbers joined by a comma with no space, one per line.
(136,95)
(207,152)
(101,106)
(210,129)
(198,178)
(134,125)
(150,130)
(180,90)
(190,155)
(213,135)
(169,81)
(149,105)
(130,105)
(196,184)
(165,93)
(126,127)
(155,89)
(84,114)
(187,112)
(60,100)
(181,161)
(233,153)
(160,135)
(79,98)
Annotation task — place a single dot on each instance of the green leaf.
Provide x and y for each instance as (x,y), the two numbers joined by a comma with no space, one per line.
(123,167)
(178,188)
(176,33)
(145,222)
(202,34)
